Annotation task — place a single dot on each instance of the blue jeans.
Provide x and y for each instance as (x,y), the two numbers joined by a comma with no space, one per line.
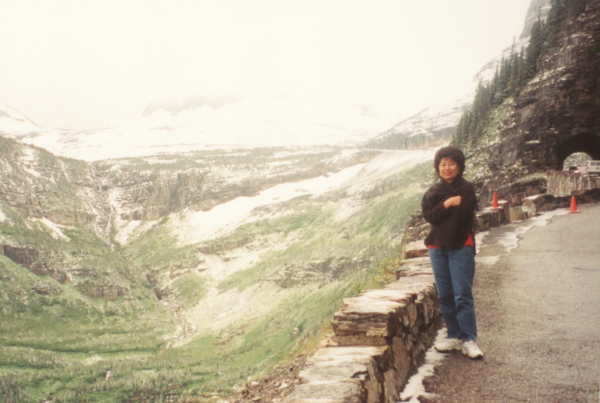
(454,270)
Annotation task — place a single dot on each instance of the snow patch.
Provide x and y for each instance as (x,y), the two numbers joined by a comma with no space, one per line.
(55,229)
(488,260)
(220,310)
(29,155)
(295,151)
(414,387)
(510,240)
(394,161)
(547,74)
(344,209)
(285,121)
(2,216)
(386,164)
(17,128)
(29,158)
(132,229)
(196,226)
(480,239)
(159,161)
(280,163)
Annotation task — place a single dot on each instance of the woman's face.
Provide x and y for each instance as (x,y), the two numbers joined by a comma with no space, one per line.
(448,169)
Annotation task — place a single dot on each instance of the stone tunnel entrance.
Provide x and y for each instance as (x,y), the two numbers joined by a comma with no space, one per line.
(575,161)
(583,143)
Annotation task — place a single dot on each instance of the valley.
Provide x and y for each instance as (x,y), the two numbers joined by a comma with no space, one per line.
(187,274)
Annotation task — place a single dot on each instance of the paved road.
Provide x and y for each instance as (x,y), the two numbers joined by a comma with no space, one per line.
(538,308)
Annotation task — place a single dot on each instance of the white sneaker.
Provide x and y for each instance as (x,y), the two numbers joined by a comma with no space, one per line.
(448,345)
(472,350)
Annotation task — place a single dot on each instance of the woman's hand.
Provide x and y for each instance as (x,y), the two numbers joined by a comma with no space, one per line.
(452,201)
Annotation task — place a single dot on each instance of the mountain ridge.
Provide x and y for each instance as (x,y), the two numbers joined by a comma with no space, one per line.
(436,126)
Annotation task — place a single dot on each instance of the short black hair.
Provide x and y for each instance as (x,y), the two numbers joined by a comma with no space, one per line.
(454,153)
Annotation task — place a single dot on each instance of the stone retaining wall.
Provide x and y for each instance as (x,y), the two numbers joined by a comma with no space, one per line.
(380,338)
(561,183)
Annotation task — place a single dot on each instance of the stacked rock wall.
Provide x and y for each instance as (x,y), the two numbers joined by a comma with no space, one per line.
(380,339)
(562,183)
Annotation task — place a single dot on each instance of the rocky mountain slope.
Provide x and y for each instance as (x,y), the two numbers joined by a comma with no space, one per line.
(430,127)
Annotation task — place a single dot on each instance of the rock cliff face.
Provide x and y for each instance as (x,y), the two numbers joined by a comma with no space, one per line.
(555,115)
(537,9)
(36,184)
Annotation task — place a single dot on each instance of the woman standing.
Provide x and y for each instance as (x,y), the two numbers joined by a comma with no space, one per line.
(449,206)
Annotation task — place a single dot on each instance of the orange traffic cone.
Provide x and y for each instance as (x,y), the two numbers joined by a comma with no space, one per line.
(573,207)
(494,200)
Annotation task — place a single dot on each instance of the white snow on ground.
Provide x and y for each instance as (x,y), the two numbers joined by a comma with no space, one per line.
(388,163)
(29,158)
(220,269)
(487,260)
(479,238)
(433,118)
(220,310)
(16,127)
(510,240)
(55,229)
(196,226)
(159,161)
(128,230)
(414,387)
(247,123)
(295,151)
(391,162)
(2,216)
(29,154)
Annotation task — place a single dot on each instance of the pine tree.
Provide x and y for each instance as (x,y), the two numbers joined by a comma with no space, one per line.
(515,73)
(495,88)
(512,73)
(522,69)
(536,43)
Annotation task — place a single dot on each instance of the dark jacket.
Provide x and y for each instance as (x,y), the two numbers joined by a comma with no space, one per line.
(450,227)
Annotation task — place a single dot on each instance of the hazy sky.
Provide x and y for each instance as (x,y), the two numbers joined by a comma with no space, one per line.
(90,63)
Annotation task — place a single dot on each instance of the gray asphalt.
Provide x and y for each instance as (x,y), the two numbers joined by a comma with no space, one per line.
(538,312)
